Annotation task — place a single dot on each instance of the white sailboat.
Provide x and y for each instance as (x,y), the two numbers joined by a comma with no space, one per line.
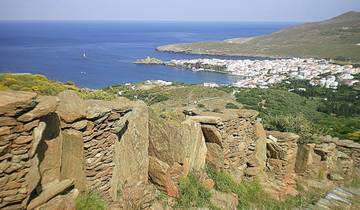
(84,55)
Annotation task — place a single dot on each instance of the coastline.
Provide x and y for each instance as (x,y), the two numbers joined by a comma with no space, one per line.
(172,48)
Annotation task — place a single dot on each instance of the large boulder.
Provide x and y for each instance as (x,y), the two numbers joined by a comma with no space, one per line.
(178,142)
(160,174)
(71,106)
(307,161)
(131,157)
(260,146)
(194,147)
(49,149)
(72,158)
(214,156)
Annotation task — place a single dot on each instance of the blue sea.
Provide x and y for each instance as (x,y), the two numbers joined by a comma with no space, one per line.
(56,48)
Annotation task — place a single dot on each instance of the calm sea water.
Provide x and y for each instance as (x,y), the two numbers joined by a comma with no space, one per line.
(56,49)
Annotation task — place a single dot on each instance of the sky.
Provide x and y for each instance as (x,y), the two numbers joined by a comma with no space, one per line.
(176,10)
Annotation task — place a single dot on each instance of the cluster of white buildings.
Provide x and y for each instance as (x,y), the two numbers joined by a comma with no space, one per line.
(158,82)
(263,73)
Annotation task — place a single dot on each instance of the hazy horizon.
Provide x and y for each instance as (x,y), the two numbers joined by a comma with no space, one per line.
(186,10)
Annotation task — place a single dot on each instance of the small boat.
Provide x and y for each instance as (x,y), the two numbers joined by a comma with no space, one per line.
(84,55)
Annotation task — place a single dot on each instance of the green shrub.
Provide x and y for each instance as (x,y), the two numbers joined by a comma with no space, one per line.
(223,180)
(90,201)
(231,106)
(291,123)
(192,193)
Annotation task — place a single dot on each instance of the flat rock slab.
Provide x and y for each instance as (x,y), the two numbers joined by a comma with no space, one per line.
(46,104)
(11,101)
(212,120)
(51,190)
(97,108)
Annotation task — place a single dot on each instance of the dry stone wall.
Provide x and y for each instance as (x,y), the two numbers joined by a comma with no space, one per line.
(282,152)
(55,145)
(52,148)
(26,119)
(235,143)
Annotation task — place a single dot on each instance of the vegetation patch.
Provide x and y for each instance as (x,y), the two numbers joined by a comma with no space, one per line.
(96,94)
(315,108)
(33,82)
(292,123)
(354,182)
(90,201)
(231,106)
(42,85)
(252,196)
(192,193)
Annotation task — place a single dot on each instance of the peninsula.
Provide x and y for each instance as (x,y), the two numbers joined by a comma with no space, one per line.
(337,38)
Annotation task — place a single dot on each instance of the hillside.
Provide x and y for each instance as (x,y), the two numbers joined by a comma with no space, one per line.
(337,38)
(62,151)
(171,146)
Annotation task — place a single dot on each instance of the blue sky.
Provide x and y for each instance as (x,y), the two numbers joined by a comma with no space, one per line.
(189,10)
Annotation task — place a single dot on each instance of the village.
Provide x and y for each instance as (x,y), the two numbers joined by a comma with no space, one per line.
(264,73)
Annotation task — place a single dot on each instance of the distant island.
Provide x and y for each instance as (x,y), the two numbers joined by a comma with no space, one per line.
(337,39)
